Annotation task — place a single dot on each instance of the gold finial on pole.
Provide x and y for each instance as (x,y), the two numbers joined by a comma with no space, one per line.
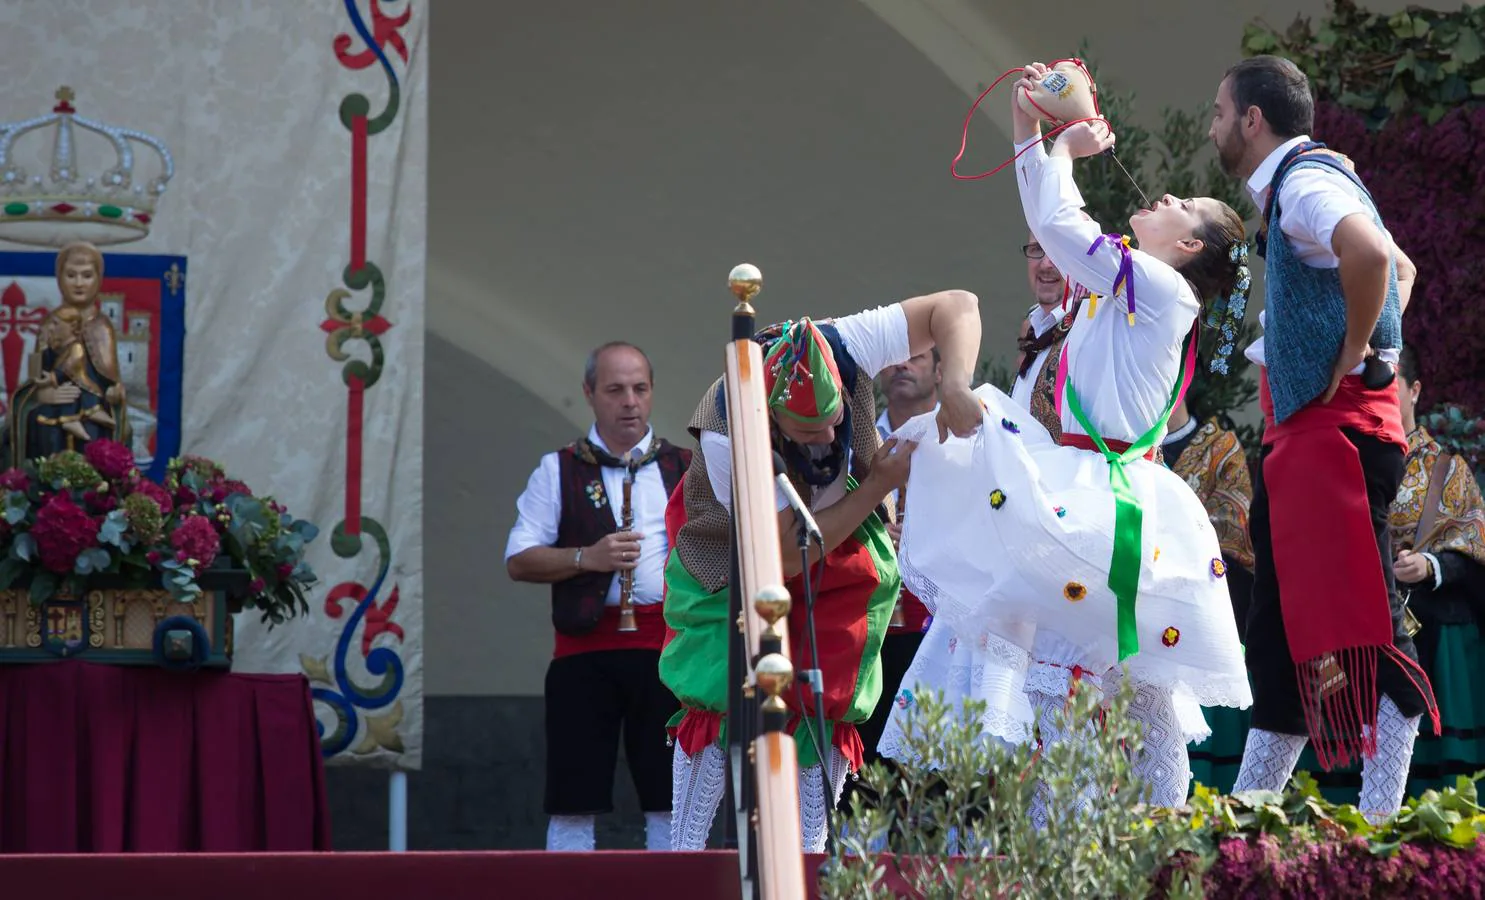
(745,281)
(772,603)
(774,674)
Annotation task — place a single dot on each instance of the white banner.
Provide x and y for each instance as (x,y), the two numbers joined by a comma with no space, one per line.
(289,243)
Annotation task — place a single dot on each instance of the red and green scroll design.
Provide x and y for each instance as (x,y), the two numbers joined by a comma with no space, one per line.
(372,615)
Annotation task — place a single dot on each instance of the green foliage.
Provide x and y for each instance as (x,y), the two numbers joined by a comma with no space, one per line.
(963,829)
(1427,60)
(1110,848)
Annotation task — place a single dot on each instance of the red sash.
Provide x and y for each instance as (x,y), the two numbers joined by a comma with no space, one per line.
(1333,590)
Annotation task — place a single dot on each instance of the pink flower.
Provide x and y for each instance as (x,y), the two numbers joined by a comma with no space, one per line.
(156,493)
(14,480)
(284,571)
(195,538)
(153,557)
(185,497)
(99,503)
(236,487)
(113,460)
(256,586)
(63,531)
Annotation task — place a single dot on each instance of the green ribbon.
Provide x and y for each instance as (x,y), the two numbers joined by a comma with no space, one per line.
(1124,568)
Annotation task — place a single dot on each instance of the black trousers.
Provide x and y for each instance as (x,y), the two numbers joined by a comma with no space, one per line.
(1276,703)
(590,699)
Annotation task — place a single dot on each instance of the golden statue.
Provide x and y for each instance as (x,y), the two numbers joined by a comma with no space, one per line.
(74,394)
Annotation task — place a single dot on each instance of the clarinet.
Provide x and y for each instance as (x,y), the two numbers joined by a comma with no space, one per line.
(899,618)
(626,577)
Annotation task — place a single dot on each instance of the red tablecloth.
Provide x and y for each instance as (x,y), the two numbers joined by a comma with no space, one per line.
(110,759)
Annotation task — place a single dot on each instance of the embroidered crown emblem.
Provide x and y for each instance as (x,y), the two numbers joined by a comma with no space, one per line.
(94,188)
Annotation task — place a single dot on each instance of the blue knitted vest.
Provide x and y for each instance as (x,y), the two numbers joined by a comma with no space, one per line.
(1304,307)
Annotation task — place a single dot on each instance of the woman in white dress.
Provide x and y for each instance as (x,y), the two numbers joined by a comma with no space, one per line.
(1050,563)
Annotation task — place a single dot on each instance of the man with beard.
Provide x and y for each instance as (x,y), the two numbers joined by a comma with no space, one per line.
(822,409)
(1042,334)
(1329,657)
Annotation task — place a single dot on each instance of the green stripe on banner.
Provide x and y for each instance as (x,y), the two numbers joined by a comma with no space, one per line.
(1124,567)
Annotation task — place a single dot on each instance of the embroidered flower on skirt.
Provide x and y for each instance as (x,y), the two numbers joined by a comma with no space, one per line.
(1061,513)
(1010,426)
(1074,591)
(1170,636)
(927,621)
(1157,555)
(596,494)
(997,498)
(904,698)
(953,644)
(1219,568)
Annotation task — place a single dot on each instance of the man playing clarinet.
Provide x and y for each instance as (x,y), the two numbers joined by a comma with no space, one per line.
(606,591)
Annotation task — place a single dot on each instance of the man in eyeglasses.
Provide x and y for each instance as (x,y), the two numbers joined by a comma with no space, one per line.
(1042,333)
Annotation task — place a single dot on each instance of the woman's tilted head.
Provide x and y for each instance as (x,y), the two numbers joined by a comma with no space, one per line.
(1196,237)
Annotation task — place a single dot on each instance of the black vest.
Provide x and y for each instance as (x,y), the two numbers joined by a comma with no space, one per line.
(577,603)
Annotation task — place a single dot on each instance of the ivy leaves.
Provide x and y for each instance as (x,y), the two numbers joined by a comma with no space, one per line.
(1417,59)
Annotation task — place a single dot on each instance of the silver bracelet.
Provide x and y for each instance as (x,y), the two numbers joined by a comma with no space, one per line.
(577,559)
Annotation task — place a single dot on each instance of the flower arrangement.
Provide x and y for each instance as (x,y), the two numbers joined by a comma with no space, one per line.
(71,516)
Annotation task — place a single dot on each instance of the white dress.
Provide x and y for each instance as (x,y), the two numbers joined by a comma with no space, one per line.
(1009,536)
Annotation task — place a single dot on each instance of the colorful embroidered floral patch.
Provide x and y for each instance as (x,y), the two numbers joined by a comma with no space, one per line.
(927,622)
(1157,554)
(1170,636)
(596,494)
(1061,513)
(953,644)
(1010,426)
(1074,591)
(997,498)
(904,698)
(1219,568)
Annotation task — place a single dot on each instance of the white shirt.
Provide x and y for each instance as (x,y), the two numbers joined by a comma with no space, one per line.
(1312,202)
(539,512)
(1123,373)
(876,338)
(1041,320)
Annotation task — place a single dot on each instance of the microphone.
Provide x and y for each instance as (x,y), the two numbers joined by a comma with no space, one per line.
(801,510)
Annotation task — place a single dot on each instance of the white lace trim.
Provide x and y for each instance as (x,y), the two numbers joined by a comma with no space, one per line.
(570,834)
(1206,687)
(696,793)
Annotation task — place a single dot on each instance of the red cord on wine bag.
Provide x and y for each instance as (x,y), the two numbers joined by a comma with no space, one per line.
(969,117)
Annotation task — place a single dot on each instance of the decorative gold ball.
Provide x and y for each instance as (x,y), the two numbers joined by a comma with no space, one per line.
(774,674)
(745,281)
(772,603)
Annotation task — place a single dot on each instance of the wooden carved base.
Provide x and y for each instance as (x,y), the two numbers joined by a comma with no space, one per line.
(110,625)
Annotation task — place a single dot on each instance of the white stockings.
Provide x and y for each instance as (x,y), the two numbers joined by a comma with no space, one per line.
(1269,759)
(570,834)
(697,788)
(812,800)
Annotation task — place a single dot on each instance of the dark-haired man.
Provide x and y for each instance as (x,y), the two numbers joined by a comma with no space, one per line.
(568,534)
(1329,658)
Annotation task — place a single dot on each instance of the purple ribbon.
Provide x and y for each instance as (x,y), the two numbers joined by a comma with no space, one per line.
(1126,267)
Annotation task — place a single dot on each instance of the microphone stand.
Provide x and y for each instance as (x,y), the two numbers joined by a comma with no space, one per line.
(816,679)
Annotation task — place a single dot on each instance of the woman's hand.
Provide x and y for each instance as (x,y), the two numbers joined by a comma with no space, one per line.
(1084,139)
(1023,125)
